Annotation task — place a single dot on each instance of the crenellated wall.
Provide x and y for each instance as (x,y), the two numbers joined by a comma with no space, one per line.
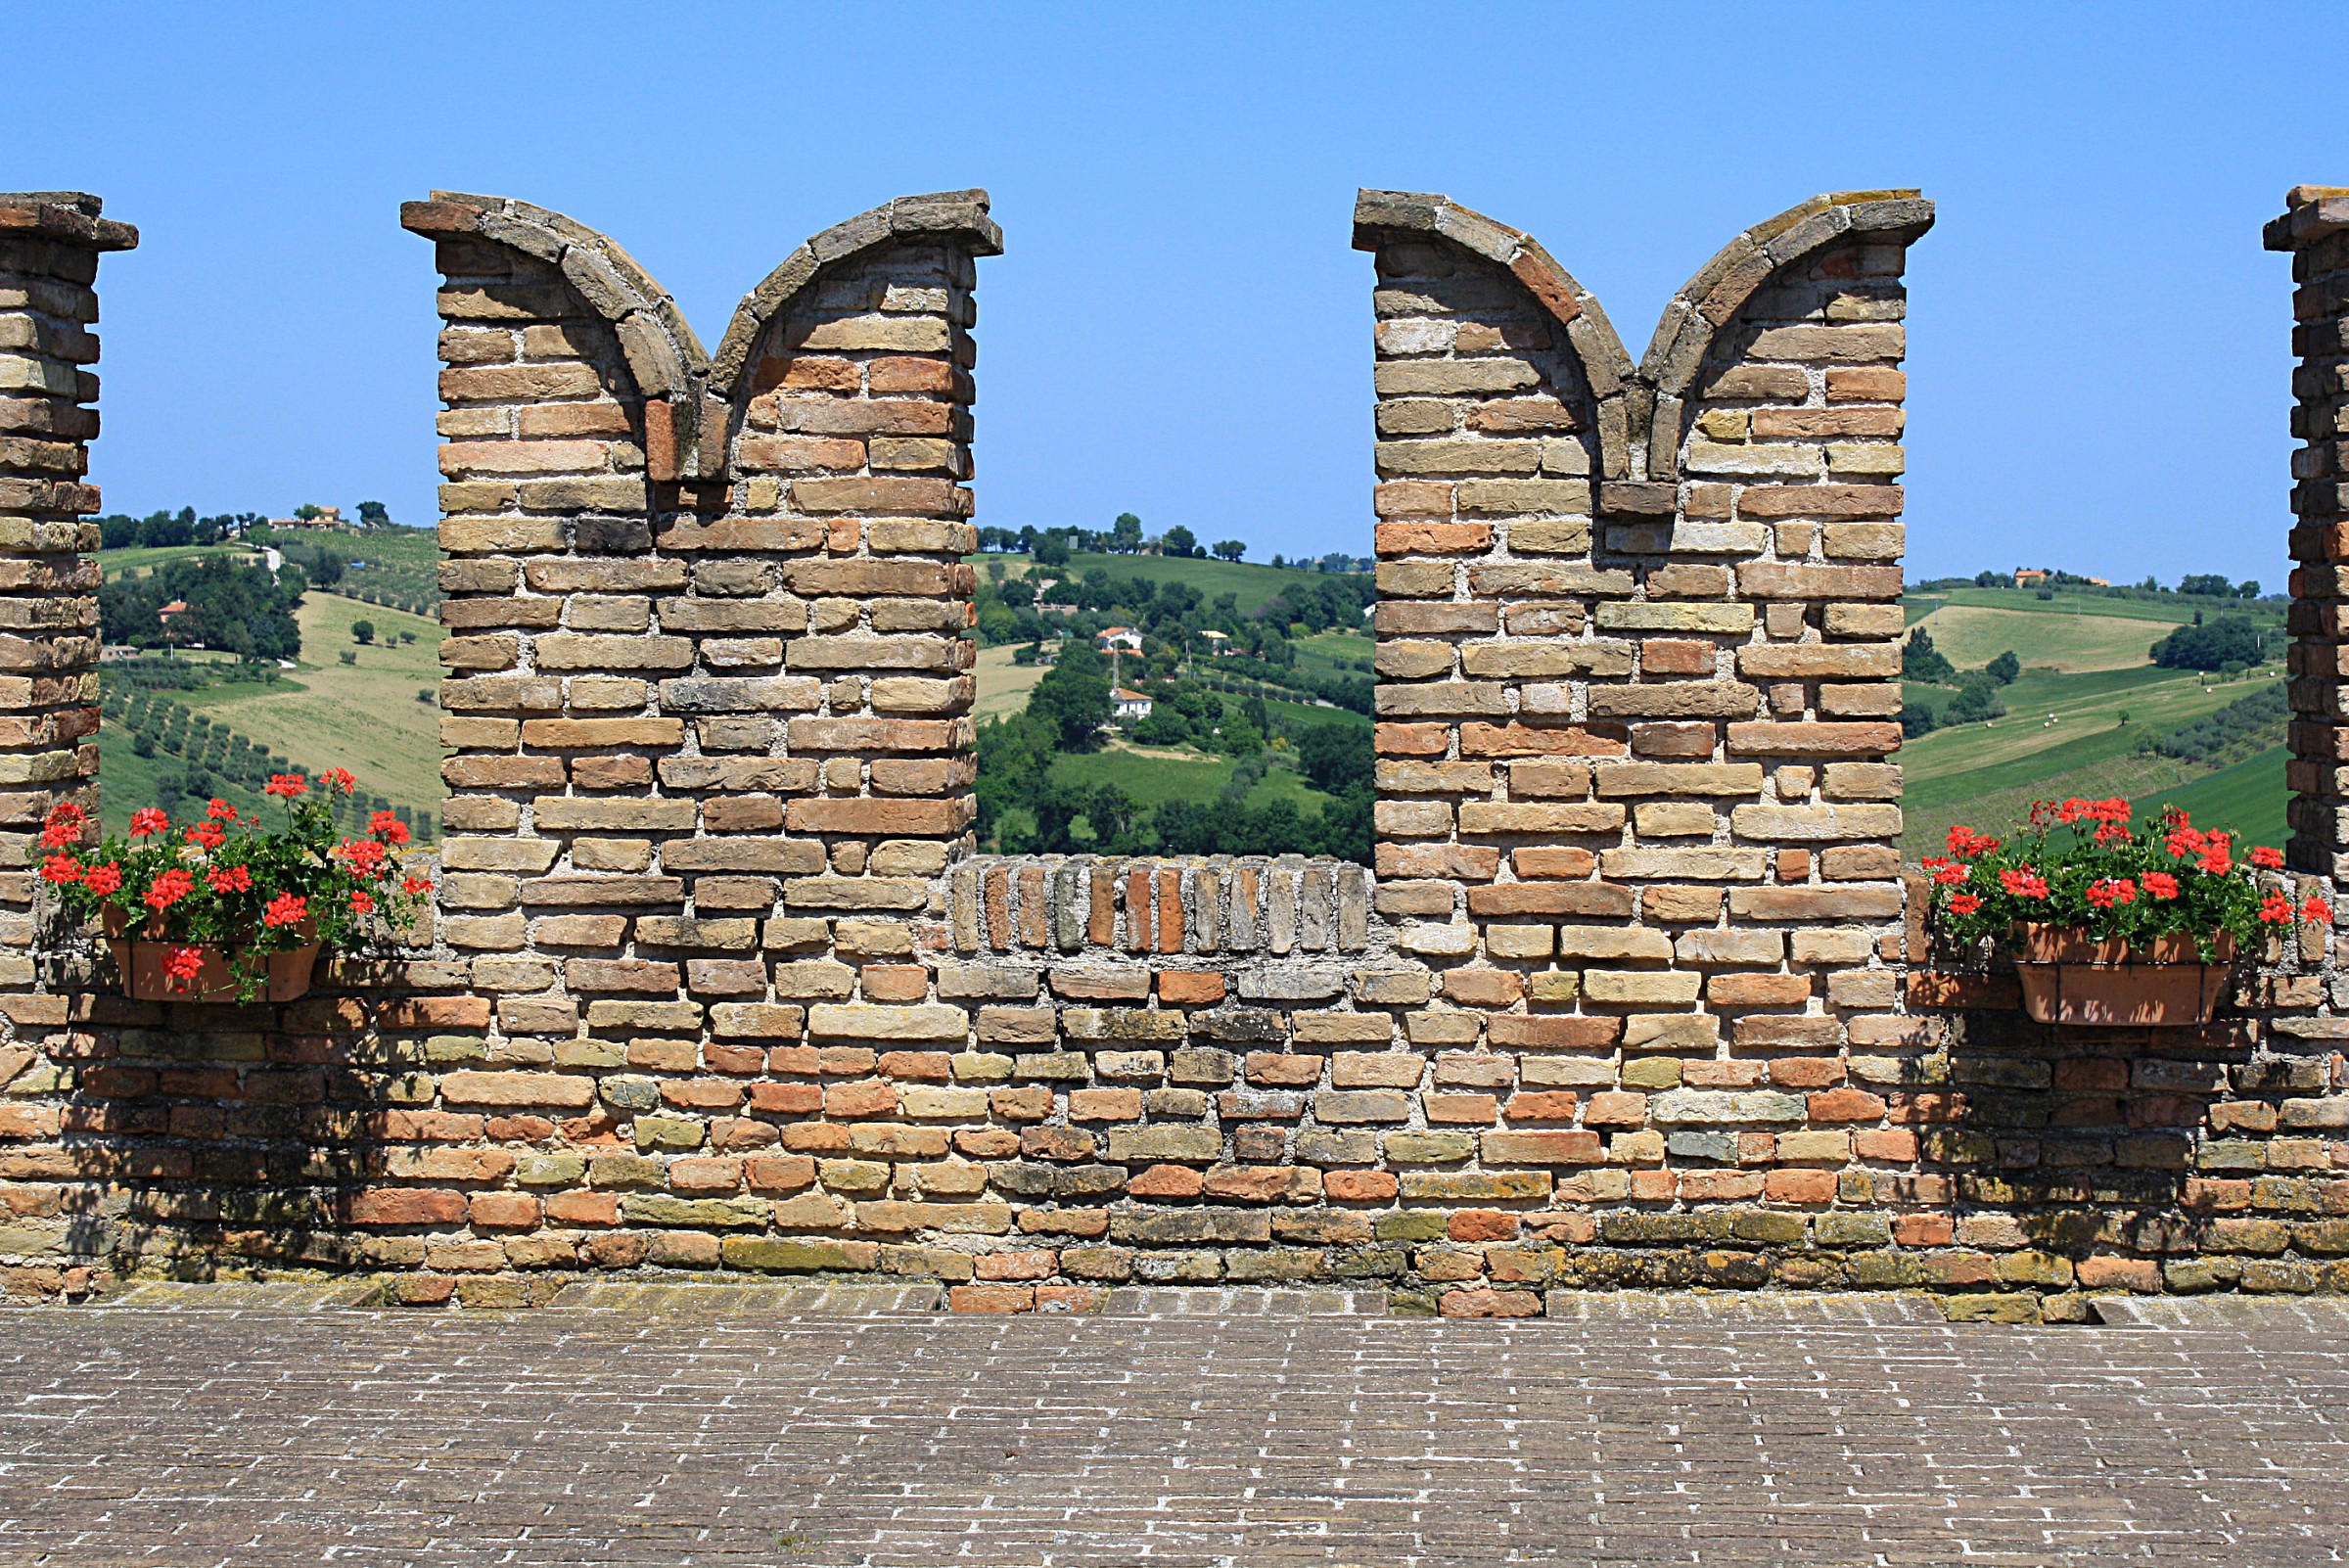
(1635,994)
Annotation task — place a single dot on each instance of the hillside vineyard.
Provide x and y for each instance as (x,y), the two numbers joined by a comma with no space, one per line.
(1635,994)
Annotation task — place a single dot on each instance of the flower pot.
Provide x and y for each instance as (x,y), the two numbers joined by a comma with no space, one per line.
(2069,976)
(140,959)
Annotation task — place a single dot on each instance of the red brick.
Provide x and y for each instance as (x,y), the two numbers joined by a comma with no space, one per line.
(1481,1224)
(1360,1186)
(893,983)
(1799,1186)
(787,1100)
(1034,1264)
(1545,1105)
(991,1298)
(1923,1230)
(1486,1303)
(1432,538)
(1166,1181)
(505,1211)
(1846,1105)
(583,1208)
(864,1099)
(407,1206)
(1188,987)
(1659,656)
(934,1067)
(1412,740)
(2141,1274)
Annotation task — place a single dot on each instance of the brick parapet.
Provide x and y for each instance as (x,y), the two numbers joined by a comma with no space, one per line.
(50,243)
(2315,229)
(717,984)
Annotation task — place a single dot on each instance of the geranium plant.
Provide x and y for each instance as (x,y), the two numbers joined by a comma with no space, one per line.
(2113,879)
(228,883)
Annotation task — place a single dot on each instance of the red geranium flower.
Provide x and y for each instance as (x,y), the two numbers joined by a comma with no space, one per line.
(360,904)
(208,834)
(2267,859)
(230,879)
(60,869)
(169,888)
(1967,845)
(388,827)
(2112,891)
(149,820)
(182,965)
(2025,883)
(2275,909)
(285,785)
(103,879)
(339,778)
(2161,885)
(1965,903)
(2316,912)
(363,855)
(64,825)
(412,886)
(285,909)
(220,810)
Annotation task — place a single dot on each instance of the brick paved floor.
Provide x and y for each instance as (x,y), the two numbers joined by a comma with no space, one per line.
(748,1428)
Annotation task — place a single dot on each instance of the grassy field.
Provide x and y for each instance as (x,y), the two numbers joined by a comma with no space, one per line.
(1153,777)
(1003,686)
(2248,798)
(364,716)
(139,559)
(1253,584)
(1970,636)
(2064,602)
(2085,668)
(1339,651)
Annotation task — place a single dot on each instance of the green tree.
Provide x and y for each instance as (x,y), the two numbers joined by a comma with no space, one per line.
(1921,661)
(362,632)
(1052,549)
(1231,549)
(2006,669)
(1073,697)
(1180,540)
(1126,534)
(2208,583)
(374,515)
(2225,639)
(1336,757)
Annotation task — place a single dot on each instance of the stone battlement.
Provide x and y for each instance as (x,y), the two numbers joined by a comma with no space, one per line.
(1635,992)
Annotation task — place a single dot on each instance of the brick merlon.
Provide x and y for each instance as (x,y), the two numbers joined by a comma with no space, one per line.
(943,218)
(68,215)
(2310,212)
(665,358)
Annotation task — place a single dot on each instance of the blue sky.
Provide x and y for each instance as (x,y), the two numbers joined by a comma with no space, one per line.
(2099,370)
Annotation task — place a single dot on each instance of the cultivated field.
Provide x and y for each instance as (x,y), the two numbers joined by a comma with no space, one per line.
(2089,696)
(1971,635)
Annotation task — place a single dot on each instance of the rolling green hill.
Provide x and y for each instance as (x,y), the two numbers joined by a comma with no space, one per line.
(2076,719)
(1252,584)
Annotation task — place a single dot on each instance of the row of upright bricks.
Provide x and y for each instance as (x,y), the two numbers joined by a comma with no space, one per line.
(1633,994)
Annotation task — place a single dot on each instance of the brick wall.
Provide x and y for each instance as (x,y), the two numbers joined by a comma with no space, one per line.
(717,982)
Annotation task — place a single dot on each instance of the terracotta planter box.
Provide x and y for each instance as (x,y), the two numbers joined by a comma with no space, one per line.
(141,964)
(2069,976)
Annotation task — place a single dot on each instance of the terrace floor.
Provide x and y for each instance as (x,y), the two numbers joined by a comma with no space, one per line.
(201,1425)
